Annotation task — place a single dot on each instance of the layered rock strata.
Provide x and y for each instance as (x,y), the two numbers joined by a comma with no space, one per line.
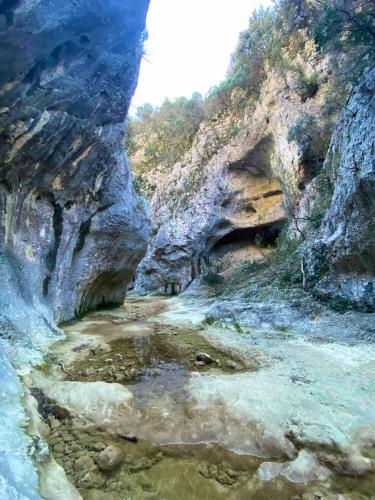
(229,196)
(69,214)
(72,228)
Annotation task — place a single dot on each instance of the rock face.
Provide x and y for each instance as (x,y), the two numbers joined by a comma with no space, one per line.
(340,255)
(230,195)
(71,226)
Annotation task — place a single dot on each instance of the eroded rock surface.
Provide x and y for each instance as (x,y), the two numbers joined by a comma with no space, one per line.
(340,256)
(229,196)
(70,217)
(72,228)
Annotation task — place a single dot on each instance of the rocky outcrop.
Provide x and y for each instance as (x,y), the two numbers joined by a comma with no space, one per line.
(72,228)
(340,256)
(70,219)
(230,195)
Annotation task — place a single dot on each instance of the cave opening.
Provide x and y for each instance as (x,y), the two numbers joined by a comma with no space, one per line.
(261,236)
(244,244)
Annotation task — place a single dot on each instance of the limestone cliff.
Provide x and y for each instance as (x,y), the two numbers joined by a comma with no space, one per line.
(71,221)
(340,255)
(243,177)
(280,161)
(72,228)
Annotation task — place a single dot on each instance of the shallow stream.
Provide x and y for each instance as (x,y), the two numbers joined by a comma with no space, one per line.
(197,411)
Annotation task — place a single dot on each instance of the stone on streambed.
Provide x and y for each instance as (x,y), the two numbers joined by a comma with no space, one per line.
(53,422)
(301,470)
(84,464)
(93,400)
(100,349)
(108,459)
(231,365)
(205,358)
(200,364)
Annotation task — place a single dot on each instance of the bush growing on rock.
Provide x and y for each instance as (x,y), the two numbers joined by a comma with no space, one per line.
(163,133)
(212,279)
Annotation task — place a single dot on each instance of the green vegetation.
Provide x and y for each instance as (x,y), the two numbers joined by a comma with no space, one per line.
(343,25)
(280,39)
(212,279)
(313,140)
(168,131)
(322,200)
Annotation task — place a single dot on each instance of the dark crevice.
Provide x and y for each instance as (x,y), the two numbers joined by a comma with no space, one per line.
(84,40)
(7,8)
(57,224)
(84,230)
(272,193)
(258,160)
(65,51)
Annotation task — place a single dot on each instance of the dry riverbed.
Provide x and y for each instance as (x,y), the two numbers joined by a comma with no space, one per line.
(149,401)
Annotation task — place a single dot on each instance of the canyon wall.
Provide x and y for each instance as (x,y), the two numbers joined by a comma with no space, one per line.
(340,255)
(72,228)
(233,191)
(288,160)
(70,218)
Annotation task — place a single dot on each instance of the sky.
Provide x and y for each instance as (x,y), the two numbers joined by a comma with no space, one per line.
(189,46)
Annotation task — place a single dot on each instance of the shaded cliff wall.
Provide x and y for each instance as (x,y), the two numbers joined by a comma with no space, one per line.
(70,219)
(340,255)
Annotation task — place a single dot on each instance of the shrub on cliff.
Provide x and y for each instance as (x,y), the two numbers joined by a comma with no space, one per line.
(281,38)
(343,24)
(163,133)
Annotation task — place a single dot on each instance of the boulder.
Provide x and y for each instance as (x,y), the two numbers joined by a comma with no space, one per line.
(109,459)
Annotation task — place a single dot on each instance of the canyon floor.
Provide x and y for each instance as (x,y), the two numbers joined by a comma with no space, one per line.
(151,400)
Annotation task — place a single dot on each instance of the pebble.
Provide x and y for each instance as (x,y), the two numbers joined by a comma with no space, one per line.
(129,437)
(231,365)
(53,422)
(101,349)
(206,358)
(200,364)
(84,463)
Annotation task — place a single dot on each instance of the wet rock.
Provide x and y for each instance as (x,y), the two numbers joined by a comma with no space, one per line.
(200,364)
(119,377)
(98,446)
(303,469)
(84,464)
(206,358)
(232,365)
(80,348)
(53,422)
(59,449)
(129,437)
(344,496)
(108,459)
(100,349)
(142,464)
(132,374)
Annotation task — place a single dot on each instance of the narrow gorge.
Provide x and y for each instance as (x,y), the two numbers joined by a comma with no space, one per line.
(188,290)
